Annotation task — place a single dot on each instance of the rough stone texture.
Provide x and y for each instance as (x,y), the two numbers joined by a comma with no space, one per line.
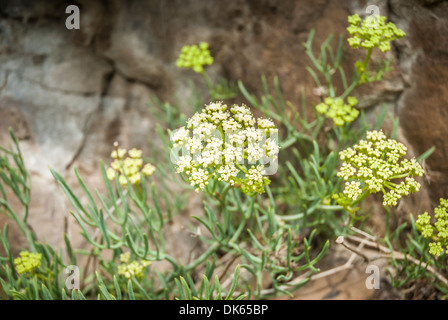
(422,108)
(69,94)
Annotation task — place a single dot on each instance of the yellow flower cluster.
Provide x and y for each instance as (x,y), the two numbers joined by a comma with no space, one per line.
(195,57)
(437,232)
(373,32)
(338,111)
(134,268)
(129,168)
(27,262)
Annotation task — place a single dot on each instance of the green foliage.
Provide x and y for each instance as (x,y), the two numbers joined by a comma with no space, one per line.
(207,290)
(13,175)
(412,260)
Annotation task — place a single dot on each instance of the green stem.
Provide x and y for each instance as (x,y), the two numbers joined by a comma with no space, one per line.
(208,82)
(224,193)
(367,59)
(329,84)
(223,136)
(242,168)
(259,284)
(390,185)
(343,132)
(356,77)
(351,88)
(23,226)
(139,191)
(25,214)
(239,230)
(170,260)
(256,260)
(330,207)
(404,175)
(310,54)
(203,257)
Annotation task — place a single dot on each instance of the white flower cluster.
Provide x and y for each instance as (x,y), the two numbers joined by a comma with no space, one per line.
(229,145)
(352,189)
(376,162)
(134,268)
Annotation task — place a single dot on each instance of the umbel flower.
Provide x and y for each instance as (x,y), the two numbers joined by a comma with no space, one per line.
(373,32)
(233,147)
(195,57)
(438,232)
(337,110)
(374,165)
(134,268)
(27,262)
(128,168)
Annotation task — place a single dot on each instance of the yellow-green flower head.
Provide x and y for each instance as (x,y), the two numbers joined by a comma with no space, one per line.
(134,268)
(118,153)
(148,169)
(435,248)
(135,153)
(125,257)
(195,57)
(438,232)
(337,110)
(374,165)
(372,32)
(128,168)
(227,145)
(27,262)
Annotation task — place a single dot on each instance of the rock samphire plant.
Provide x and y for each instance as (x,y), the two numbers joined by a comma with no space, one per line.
(273,199)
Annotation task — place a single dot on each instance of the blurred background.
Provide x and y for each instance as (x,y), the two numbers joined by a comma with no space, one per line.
(69,94)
